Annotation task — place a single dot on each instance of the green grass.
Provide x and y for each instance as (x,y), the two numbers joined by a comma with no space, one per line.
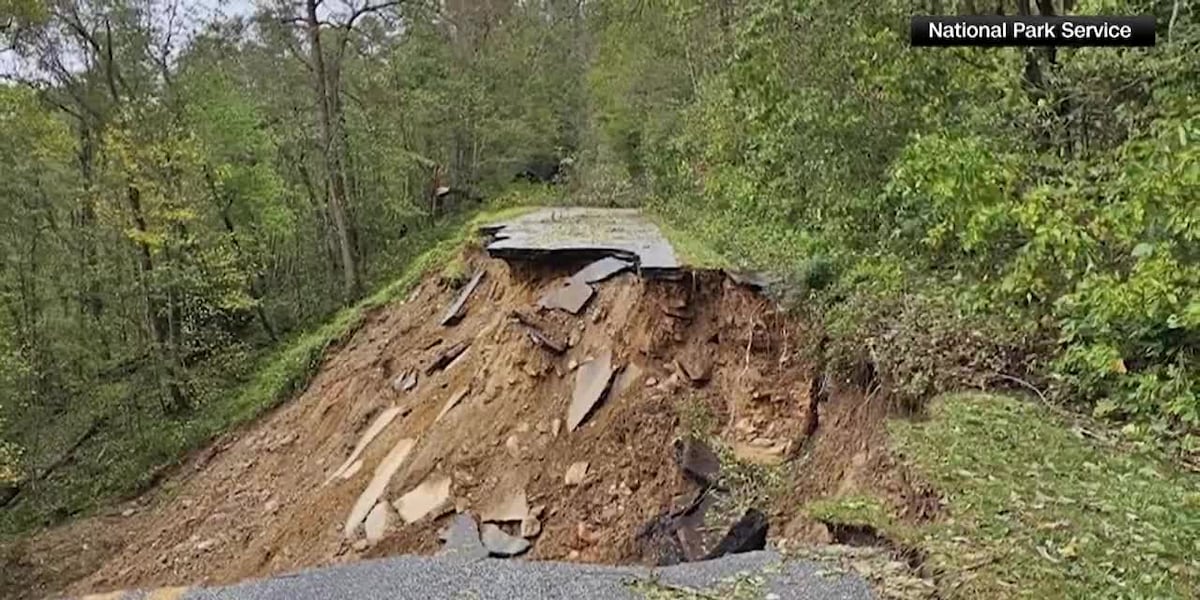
(859,510)
(138,445)
(1034,509)
(690,249)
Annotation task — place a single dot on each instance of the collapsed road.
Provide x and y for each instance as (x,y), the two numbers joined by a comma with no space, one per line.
(502,435)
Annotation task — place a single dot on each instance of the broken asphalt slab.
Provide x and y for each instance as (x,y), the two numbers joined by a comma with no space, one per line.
(591,381)
(450,578)
(457,310)
(577,233)
(571,296)
(601,270)
(446,357)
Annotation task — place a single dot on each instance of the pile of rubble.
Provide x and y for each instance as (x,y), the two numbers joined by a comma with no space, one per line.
(508,525)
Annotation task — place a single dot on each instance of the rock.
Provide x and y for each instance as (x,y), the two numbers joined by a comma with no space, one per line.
(431,495)
(513,445)
(651,382)
(576,473)
(378,521)
(501,544)
(271,506)
(127,513)
(510,508)
(572,364)
(697,461)
(555,427)
(747,535)
(697,368)
(530,527)
(206,545)
(360,546)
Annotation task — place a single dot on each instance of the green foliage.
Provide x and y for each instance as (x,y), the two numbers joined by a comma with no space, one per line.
(125,459)
(183,204)
(1034,509)
(951,216)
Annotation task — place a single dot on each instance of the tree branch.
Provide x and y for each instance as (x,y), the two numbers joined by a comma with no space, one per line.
(369,8)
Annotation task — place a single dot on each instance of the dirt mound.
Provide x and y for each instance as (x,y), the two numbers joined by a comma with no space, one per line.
(484,402)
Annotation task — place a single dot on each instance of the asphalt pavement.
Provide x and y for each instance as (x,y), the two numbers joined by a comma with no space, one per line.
(474,578)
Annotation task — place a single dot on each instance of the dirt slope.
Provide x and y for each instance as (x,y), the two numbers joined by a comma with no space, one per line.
(262,502)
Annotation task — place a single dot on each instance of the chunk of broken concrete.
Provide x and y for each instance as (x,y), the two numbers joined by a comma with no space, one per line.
(697,461)
(457,310)
(501,544)
(432,494)
(461,539)
(570,296)
(697,368)
(591,381)
(513,507)
(381,422)
(601,270)
(452,402)
(748,534)
(378,521)
(405,382)
(383,474)
(575,473)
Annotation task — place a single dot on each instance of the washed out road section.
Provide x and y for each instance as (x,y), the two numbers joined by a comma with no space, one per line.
(584,234)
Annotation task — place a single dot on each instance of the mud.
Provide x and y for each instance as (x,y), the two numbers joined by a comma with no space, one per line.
(276,496)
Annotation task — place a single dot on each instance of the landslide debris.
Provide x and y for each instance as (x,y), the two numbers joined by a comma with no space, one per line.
(602,436)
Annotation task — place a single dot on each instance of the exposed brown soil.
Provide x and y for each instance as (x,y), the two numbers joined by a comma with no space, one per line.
(257,503)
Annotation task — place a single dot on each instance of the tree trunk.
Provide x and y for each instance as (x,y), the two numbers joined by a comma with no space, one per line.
(158,321)
(335,176)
